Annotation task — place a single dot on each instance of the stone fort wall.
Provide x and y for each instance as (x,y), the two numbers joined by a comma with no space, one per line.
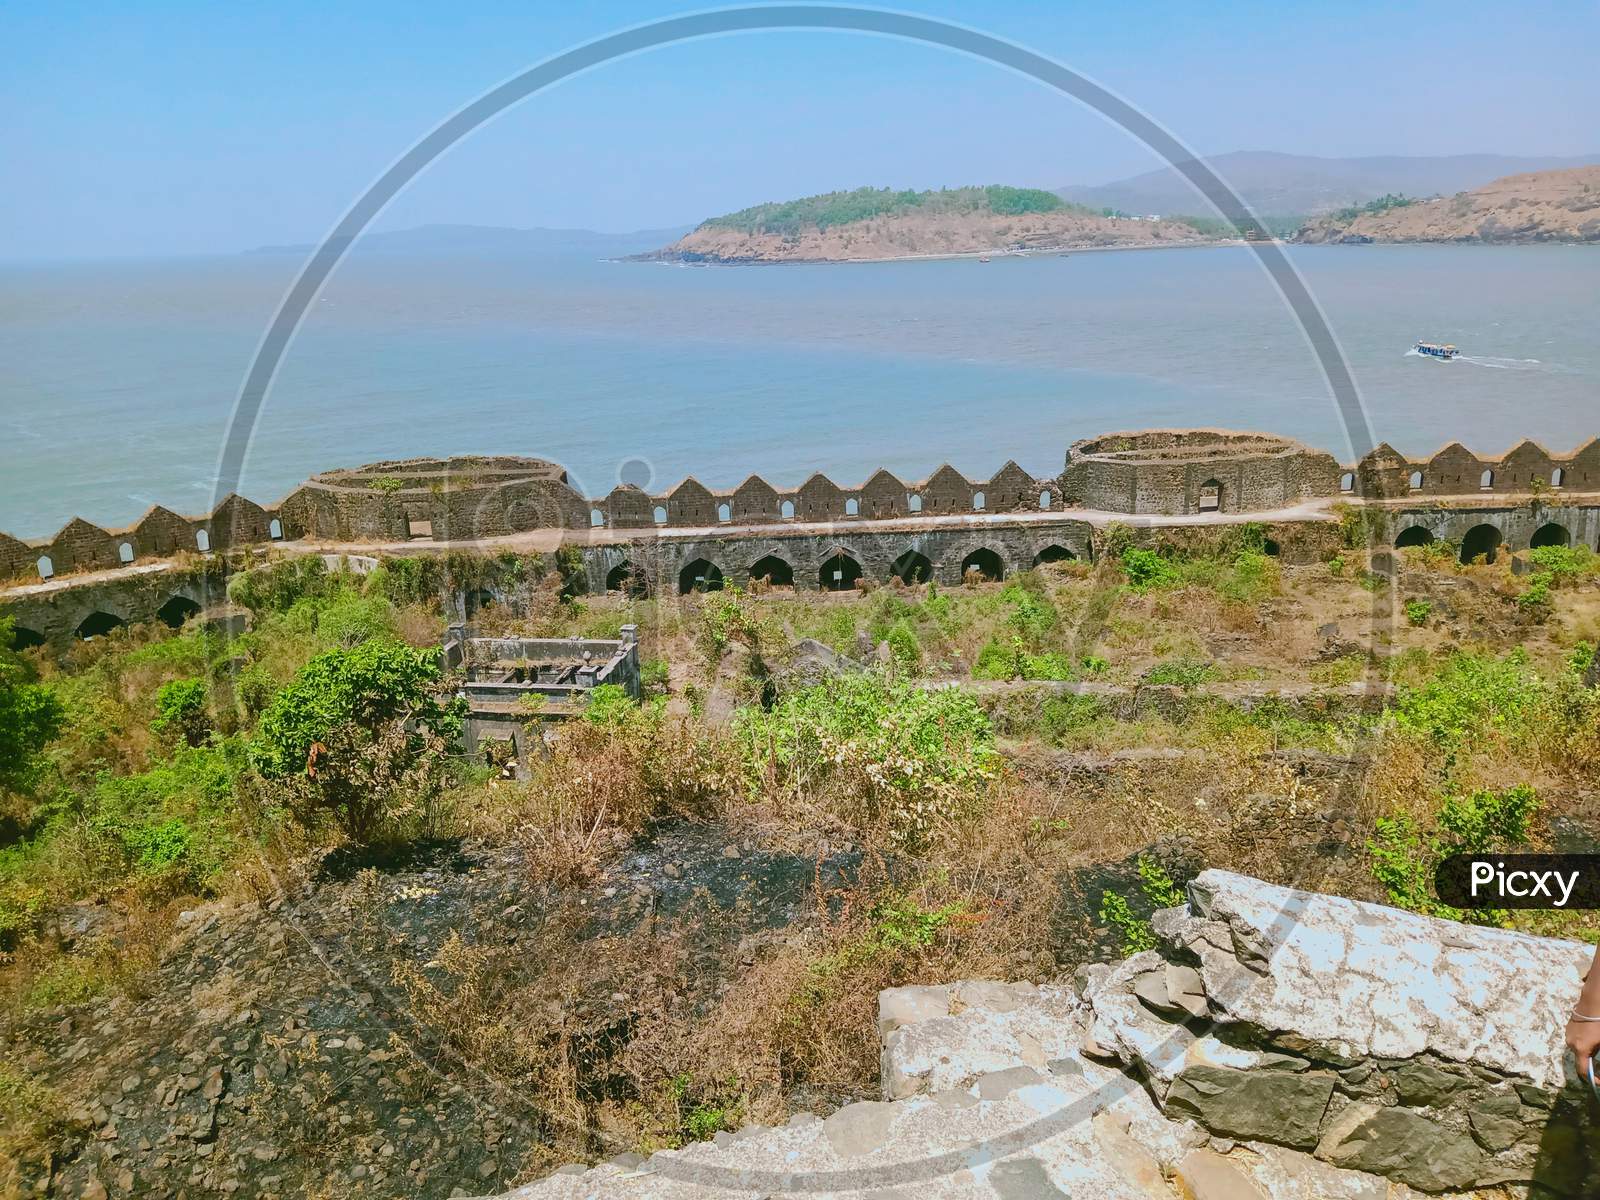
(1175,472)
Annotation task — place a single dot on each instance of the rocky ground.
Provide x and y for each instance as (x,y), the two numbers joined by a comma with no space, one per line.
(274,1053)
(1277,1045)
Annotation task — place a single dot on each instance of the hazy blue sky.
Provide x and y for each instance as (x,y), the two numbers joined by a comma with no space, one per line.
(165,127)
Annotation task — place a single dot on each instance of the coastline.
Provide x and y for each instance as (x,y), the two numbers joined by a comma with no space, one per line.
(681,260)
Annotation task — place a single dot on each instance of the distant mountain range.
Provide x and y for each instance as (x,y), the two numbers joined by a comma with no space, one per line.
(1276,184)
(499,240)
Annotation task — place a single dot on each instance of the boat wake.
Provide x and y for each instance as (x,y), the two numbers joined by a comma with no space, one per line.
(1493,362)
(1501,364)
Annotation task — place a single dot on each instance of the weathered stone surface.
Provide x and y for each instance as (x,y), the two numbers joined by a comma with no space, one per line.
(859,1128)
(1268,1106)
(927,1047)
(1371,981)
(1400,1144)
(1204,1175)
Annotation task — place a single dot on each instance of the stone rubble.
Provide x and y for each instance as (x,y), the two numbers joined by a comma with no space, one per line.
(1278,1045)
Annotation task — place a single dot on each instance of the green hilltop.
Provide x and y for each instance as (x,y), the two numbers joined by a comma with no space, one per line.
(841,208)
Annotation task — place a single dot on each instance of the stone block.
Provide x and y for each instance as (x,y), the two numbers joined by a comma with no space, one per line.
(1268,1106)
(1401,1144)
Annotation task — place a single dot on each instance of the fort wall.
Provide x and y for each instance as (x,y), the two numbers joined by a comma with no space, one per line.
(823,535)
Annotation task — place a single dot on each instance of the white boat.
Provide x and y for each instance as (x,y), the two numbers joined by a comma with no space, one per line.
(1434,350)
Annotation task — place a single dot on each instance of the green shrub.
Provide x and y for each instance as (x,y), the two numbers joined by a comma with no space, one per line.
(1146,570)
(1062,716)
(1537,594)
(1187,673)
(882,753)
(1405,858)
(181,711)
(1418,611)
(360,736)
(1471,696)
(1565,562)
(31,715)
(905,651)
(1159,892)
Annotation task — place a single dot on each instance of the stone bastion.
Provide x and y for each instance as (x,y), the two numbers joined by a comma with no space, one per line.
(1187,471)
(437,498)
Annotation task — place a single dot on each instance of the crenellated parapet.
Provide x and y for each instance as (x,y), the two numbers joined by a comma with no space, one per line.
(1454,471)
(1166,472)
(159,534)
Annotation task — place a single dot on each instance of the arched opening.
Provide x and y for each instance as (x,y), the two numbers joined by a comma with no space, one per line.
(913,502)
(1486,480)
(98,624)
(1415,535)
(125,552)
(1550,535)
(1347,482)
(477,600)
(1482,541)
(629,580)
(773,571)
(724,512)
(202,541)
(1415,481)
(275,529)
(699,576)
(596,518)
(852,507)
(912,567)
(978,501)
(1053,554)
(839,573)
(786,510)
(1558,477)
(985,564)
(176,611)
(46,567)
(25,639)
(1210,499)
(1045,499)
(660,515)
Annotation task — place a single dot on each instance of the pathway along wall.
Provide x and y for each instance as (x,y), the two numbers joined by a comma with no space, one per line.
(461,499)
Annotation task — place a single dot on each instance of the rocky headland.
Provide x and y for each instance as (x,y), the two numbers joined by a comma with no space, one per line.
(1543,206)
(869,225)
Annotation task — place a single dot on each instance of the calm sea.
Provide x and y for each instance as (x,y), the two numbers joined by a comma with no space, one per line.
(117,380)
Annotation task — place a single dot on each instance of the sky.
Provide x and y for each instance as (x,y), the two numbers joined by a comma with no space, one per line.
(169,127)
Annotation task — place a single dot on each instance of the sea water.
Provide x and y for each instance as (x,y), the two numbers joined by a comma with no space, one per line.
(118,380)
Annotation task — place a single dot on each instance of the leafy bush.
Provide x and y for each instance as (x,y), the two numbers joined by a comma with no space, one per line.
(1062,716)
(181,710)
(1473,695)
(179,819)
(1405,858)
(1187,673)
(905,651)
(355,731)
(1147,570)
(1159,892)
(1564,562)
(30,715)
(1418,611)
(884,754)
